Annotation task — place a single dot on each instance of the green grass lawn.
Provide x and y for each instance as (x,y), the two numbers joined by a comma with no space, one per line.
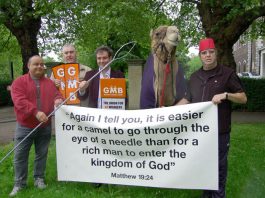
(246,175)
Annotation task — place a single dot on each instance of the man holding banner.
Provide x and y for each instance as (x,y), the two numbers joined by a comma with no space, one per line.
(67,76)
(91,89)
(221,85)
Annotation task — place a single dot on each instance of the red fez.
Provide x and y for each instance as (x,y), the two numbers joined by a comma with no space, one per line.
(205,44)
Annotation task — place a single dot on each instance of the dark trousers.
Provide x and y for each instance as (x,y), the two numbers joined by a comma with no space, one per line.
(224,142)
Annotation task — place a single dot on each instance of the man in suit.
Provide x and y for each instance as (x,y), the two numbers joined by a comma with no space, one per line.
(91,89)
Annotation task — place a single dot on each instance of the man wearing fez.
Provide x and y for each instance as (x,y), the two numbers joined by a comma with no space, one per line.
(219,84)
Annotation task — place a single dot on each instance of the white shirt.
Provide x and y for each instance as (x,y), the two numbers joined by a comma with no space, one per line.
(105,76)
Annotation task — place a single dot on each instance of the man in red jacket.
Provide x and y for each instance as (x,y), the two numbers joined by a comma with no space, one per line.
(34,97)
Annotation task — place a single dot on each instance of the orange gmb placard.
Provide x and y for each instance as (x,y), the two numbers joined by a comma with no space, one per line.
(58,73)
(68,74)
(113,88)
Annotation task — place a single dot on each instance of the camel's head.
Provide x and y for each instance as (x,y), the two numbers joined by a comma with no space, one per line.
(164,43)
(164,39)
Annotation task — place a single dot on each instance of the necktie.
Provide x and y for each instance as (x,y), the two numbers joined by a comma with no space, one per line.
(105,75)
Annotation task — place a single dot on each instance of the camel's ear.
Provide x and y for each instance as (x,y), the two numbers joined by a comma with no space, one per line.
(151,33)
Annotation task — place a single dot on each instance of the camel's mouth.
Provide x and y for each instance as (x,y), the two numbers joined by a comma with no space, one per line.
(173,42)
(172,39)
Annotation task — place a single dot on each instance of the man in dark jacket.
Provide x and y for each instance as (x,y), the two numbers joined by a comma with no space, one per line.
(221,85)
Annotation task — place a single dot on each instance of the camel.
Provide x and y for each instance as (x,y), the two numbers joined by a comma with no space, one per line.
(162,69)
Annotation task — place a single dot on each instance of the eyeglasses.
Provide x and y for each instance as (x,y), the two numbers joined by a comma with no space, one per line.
(206,52)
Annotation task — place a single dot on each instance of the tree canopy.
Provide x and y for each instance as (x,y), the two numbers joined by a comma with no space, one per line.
(224,21)
(9,52)
(25,18)
(44,25)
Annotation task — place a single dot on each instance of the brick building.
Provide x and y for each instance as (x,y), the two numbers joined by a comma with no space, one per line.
(250,56)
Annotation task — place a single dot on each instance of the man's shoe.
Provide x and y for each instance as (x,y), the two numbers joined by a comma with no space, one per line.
(39,183)
(15,190)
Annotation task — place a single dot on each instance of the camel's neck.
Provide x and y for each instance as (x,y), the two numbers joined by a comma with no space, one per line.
(165,56)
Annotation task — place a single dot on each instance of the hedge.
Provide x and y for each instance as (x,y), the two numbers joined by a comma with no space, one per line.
(5,97)
(255,90)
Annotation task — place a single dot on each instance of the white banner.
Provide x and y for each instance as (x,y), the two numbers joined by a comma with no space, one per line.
(171,147)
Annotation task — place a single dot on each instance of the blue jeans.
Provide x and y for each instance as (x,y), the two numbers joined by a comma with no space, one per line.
(224,144)
(41,139)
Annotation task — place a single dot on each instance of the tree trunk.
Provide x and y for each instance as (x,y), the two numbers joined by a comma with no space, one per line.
(26,33)
(219,24)
(223,44)
(224,52)
(28,45)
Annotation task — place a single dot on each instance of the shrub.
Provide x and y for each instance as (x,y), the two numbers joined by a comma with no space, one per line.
(5,97)
(255,91)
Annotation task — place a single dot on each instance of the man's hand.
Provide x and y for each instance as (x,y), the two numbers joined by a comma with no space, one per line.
(83,85)
(217,99)
(57,102)
(8,88)
(57,82)
(41,116)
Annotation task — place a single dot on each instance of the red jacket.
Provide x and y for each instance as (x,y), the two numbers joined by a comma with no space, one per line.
(24,96)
